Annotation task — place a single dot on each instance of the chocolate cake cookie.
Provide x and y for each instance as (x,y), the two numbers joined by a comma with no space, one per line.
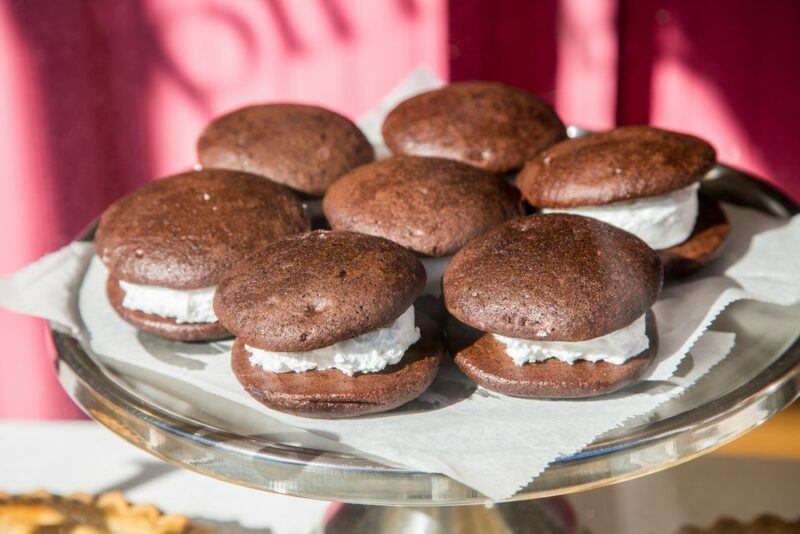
(563,301)
(325,325)
(488,125)
(303,147)
(641,179)
(168,245)
(331,394)
(622,164)
(485,361)
(433,206)
(314,289)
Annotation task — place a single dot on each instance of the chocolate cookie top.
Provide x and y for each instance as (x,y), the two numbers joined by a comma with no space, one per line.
(552,277)
(312,290)
(303,147)
(188,230)
(430,205)
(622,164)
(487,125)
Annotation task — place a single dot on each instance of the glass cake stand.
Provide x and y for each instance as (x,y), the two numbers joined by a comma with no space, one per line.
(759,378)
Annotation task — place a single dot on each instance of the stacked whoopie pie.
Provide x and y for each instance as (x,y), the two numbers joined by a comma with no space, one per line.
(170,243)
(560,306)
(325,326)
(641,179)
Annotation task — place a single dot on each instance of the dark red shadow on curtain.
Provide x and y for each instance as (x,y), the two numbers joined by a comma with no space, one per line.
(748,50)
(635,64)
(512,42)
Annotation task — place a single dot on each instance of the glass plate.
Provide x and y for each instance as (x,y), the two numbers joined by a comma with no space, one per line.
(760,377)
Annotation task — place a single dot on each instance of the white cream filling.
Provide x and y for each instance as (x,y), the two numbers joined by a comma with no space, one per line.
(367,353)
(617,347)
(661,221)
(185,306)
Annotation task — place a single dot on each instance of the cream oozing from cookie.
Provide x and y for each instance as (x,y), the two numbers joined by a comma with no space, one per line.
(367,353)
(616,348)
(661,221)
(185,306)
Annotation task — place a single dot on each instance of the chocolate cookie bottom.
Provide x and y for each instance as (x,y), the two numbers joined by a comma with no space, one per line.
(162,326)
(705,243)
(332,394)
(485,361)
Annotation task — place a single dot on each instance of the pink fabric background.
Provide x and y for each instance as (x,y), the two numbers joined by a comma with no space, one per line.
(99,97)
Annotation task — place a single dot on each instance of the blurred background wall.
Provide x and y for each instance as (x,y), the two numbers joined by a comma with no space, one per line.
(100,96)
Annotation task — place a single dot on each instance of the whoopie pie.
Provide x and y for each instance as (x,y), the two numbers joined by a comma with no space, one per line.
(325,326)
(432,206)
(561,303)
(485,124)
(303,147)
(169,244)
(641,179)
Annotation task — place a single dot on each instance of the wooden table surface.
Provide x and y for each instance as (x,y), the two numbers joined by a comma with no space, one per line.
(777,438)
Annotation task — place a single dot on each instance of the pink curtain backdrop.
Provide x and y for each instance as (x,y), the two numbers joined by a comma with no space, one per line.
(100,97)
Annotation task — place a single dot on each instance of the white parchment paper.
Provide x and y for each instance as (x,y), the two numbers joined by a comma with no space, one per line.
(492,443)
